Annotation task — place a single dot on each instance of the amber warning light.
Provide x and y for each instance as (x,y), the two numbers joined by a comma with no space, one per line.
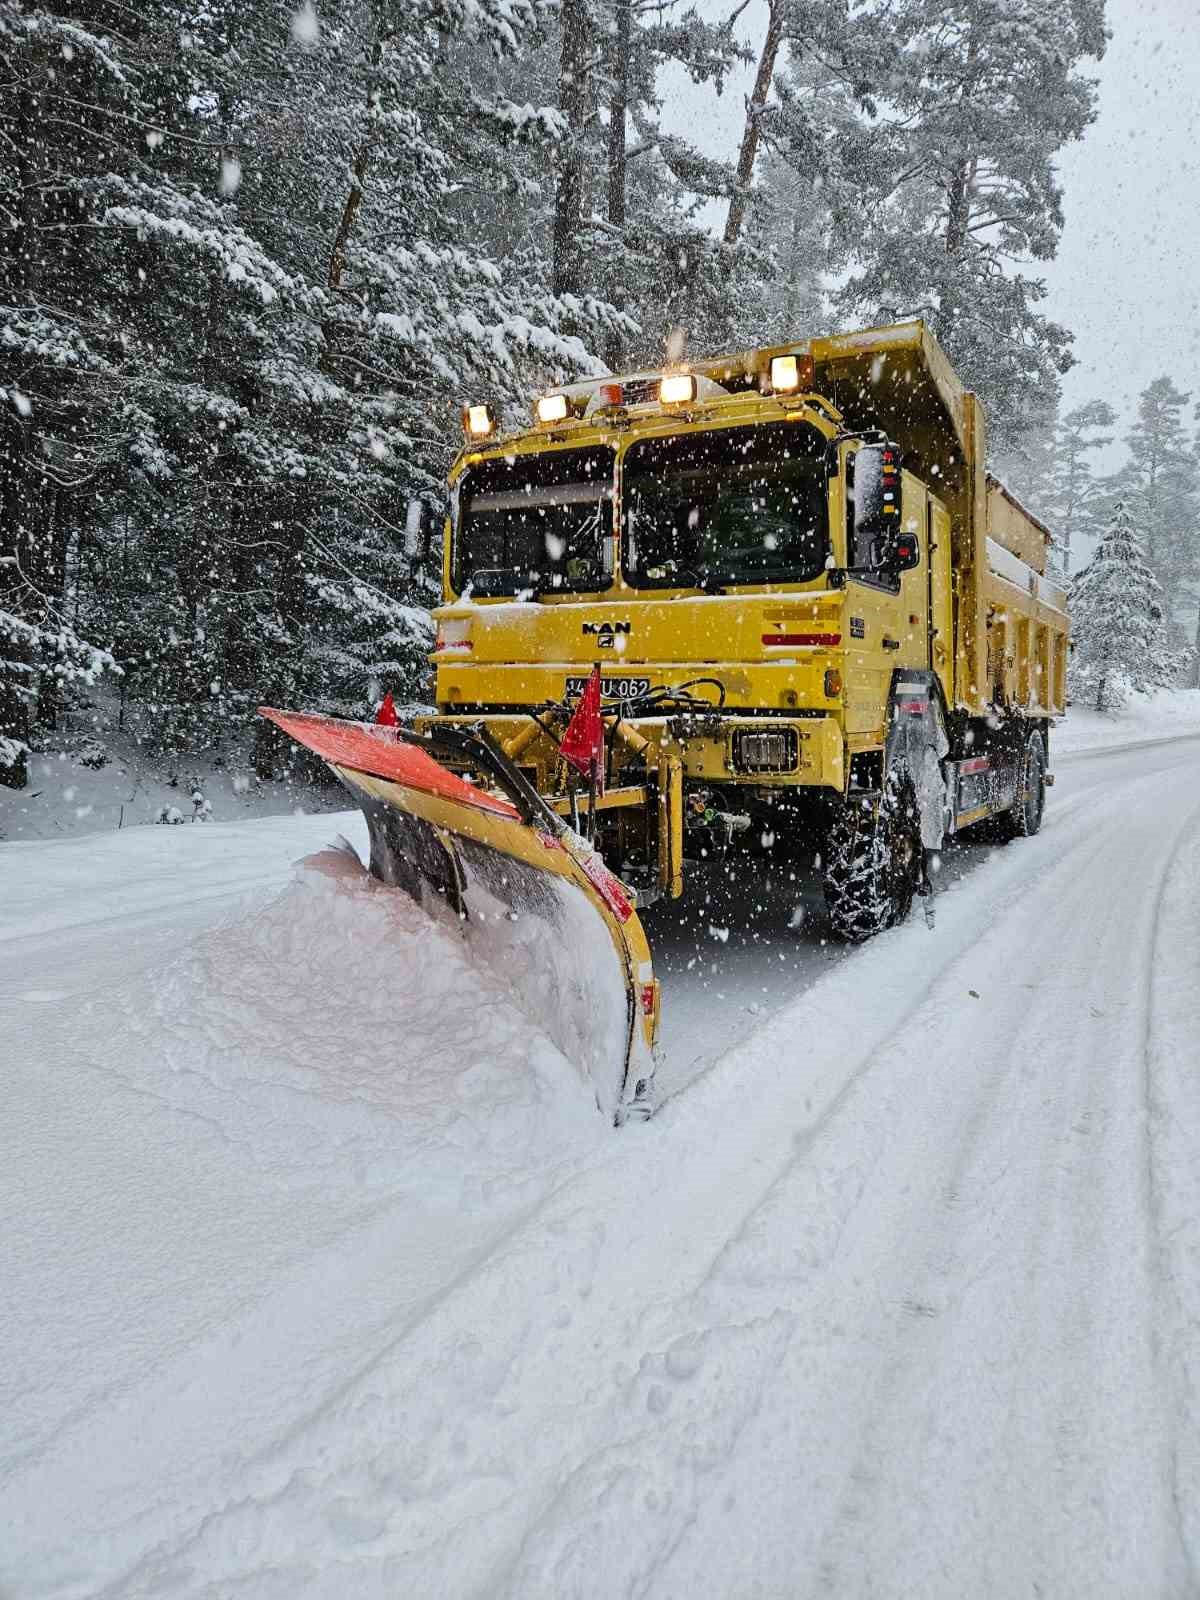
(890,481)
(478,421)
(677,388)
(552,408)
(790,373)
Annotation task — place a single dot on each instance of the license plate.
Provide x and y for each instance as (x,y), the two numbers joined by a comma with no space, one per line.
(613,688)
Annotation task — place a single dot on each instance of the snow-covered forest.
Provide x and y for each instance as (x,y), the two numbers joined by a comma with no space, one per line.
(254,257)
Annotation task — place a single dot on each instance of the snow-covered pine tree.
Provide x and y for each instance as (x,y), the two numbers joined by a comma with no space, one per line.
(944,176)
(1117,622)
(1051,472)
(622,221)
(71,86)
(1161,484)
(1077,491)
(275,299)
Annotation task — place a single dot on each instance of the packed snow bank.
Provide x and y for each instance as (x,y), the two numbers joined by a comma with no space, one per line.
(1165,714)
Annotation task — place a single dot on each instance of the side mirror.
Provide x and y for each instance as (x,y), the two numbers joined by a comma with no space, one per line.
(418,529)
(896,552)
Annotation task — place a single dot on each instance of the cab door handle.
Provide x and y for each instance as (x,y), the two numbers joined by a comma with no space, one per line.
(890,644)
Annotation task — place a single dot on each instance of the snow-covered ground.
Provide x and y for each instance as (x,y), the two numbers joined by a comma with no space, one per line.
(94,777)
(1164,714)
(323,1278)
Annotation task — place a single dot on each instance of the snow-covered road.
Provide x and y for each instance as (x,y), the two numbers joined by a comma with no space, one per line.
(897,1295)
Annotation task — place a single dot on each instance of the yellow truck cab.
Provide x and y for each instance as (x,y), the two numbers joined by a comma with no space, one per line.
(781,608)
(820,626)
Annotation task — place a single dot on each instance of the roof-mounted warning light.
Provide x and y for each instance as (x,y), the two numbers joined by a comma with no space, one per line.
(479,422)
(789,374)
(551,408)
(677,388)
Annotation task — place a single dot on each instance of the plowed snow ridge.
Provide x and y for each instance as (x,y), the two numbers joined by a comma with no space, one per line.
(323,1279)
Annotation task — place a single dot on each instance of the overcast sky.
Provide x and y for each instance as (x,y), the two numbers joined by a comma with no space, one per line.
(1127,277)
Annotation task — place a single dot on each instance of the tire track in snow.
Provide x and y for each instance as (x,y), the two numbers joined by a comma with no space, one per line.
(1171,1061)
(1103,1161)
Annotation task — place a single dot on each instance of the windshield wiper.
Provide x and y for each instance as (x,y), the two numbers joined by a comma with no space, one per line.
(491,582)
(494,582)
(701,578)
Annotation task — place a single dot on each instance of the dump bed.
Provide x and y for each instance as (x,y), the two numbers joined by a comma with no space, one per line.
(1010,621)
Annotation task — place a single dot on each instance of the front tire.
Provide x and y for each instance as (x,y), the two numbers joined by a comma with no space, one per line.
(873,863)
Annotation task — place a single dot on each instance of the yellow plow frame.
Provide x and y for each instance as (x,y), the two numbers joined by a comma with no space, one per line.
(520,884)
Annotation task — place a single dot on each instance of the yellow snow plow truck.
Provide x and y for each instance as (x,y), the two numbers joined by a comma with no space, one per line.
(768,607)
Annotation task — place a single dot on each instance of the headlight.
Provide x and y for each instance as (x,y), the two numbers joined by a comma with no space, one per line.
(772,750)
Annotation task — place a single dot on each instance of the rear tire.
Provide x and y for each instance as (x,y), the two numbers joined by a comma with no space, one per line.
(873,863)
(1025,818)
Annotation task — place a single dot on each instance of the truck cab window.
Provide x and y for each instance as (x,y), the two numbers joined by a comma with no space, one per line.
(534,524)
(727,506)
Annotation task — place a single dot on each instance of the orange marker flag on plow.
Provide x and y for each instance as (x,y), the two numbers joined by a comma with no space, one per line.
(583,743)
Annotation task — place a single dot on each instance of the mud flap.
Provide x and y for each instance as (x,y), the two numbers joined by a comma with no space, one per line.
(535,903)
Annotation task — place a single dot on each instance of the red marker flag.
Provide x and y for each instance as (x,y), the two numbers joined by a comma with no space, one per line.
(386,715)
(583,743)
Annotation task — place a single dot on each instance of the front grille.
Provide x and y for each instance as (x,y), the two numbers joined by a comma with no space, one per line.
(765,750)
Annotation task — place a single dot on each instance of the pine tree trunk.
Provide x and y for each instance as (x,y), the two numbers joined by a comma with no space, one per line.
(572,100)
(52,581)
(271,745)
(617,109)
(961,187)
(18,507)
(350,210)
(740,198)
(16,680)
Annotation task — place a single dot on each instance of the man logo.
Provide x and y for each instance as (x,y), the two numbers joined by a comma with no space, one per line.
(606,632)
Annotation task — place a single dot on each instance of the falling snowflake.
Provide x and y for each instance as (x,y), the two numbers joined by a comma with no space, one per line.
(306,29)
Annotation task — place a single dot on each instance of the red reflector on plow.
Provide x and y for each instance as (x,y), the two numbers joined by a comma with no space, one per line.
(365,747)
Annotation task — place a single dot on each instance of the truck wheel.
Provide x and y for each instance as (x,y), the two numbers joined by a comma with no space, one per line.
(1025,818)
(872,863)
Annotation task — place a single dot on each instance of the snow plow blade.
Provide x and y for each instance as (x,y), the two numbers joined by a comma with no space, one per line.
(533,899)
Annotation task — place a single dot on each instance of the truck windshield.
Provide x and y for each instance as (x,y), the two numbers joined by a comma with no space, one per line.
(529,524)
(727,506)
